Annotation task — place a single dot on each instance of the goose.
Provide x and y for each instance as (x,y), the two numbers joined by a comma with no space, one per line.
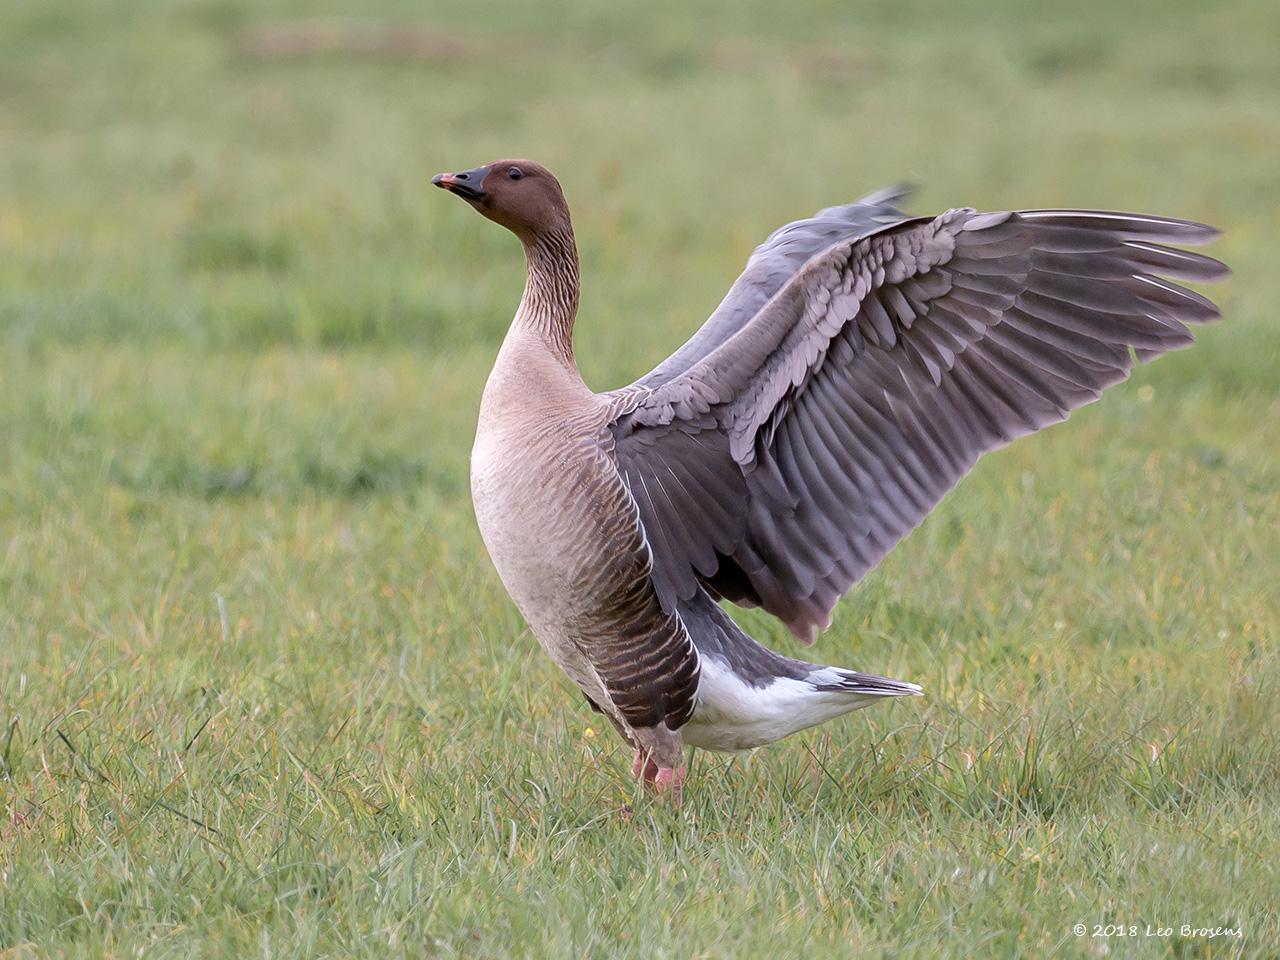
(854,372)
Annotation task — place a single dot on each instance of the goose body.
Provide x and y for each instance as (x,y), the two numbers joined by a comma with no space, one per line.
(854,372)
(563,532)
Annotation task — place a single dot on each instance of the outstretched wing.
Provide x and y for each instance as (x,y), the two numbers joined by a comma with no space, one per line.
(777,459)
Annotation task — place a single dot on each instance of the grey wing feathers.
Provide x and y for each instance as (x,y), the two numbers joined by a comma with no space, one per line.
(775,262)
(836,416)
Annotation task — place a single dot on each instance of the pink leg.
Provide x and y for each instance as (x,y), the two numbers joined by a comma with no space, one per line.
(643,767)
(659,760)
(670,779)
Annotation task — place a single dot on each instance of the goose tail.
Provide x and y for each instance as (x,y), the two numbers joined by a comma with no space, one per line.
(839,680)
(748,695)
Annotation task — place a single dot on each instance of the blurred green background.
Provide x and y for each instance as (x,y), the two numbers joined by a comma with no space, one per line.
(261,692)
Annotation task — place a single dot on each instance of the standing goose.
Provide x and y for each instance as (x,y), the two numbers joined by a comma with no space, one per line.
(853,374)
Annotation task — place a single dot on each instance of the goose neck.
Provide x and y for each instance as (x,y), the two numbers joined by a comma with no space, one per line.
(550,301)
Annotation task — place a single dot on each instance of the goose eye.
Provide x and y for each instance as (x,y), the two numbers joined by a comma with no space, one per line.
(515,173)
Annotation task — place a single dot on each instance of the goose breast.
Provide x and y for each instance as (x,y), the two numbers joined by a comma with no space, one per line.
(564,535)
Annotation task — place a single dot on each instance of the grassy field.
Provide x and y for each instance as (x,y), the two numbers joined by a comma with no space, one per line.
(261,693)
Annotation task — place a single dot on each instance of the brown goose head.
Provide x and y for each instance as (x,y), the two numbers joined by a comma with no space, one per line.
(521,195)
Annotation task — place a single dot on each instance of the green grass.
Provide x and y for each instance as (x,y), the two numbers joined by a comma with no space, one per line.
(261,693)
